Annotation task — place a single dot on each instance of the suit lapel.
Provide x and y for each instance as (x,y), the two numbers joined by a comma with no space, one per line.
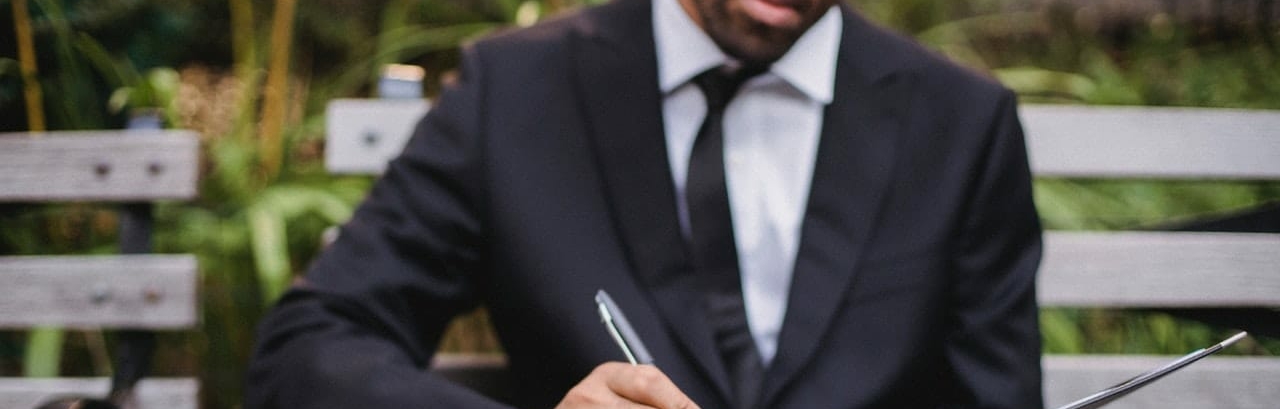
(618,81)
(851,174)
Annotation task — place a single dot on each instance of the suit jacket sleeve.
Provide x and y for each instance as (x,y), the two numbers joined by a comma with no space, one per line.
(360,330)
(994,343)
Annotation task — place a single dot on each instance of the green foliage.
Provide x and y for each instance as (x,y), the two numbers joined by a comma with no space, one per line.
(155,91)
(268,217)
(9,67)
(73,82)
(1068,204)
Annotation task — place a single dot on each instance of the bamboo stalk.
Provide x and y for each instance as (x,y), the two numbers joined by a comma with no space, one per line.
(271,142)
(245,57)
(27,62)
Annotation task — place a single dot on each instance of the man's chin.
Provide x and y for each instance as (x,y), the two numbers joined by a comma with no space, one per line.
(757,51)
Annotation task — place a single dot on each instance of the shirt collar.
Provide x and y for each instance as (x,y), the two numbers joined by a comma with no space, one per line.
(684,51)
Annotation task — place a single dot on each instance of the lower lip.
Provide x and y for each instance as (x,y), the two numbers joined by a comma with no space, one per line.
(771,13)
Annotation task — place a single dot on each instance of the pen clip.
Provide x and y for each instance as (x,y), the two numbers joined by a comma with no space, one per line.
(620,329)
(607,318)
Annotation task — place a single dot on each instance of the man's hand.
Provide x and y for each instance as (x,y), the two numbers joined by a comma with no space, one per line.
(621,385)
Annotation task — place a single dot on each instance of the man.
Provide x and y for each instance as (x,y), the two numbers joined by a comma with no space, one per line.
(794,208)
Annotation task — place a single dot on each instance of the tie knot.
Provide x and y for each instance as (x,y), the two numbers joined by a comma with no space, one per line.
(721,83)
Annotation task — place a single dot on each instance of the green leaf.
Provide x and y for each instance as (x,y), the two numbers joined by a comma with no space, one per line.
(72,83)
(10,67)
(1061,336)
(119,99)
(102,60)
(400,44)
(1112,86)
(270,252)
(528,13)
(44,352)
(1038,81)
(164,83)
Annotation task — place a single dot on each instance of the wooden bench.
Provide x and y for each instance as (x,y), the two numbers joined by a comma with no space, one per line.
(1110,269)
(136,293)
(1159,269)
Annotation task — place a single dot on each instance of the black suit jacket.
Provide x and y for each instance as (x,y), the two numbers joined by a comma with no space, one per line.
(542,176)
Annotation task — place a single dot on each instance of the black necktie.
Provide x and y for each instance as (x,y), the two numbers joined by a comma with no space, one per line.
(715,255)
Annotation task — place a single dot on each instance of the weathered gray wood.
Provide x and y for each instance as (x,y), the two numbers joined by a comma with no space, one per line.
(152,393)
(1148,142)
(1152,269)
(1158,269)
(362,135)
(483,373)
(99,165)
(1063,140)
(1214,382)
(450,361)
(122,291)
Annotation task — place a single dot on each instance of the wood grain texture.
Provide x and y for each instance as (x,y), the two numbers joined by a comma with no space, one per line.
(1214,382)
(98,166)
(1160,269)
(362,135)
(153,393)
(1062,140)
(121,291)
(1150,142)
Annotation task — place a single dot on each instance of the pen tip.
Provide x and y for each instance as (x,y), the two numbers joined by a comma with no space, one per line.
(1234,338)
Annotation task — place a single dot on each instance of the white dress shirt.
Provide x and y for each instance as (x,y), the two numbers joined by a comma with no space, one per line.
(771,131)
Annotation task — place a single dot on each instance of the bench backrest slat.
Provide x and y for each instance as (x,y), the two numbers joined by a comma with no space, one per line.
(1214,382)
(1160,269)
(115,291)
(366,133)
(1062,140)
(1148,142)
(98,166)
(26,393)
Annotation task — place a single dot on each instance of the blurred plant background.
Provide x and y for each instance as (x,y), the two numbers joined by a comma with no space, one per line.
(253,77)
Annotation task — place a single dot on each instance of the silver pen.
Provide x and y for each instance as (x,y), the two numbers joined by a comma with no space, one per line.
(621,330)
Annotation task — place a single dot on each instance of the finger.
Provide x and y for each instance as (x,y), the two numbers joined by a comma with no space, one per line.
(595,396)
(593,392)
(646,384)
